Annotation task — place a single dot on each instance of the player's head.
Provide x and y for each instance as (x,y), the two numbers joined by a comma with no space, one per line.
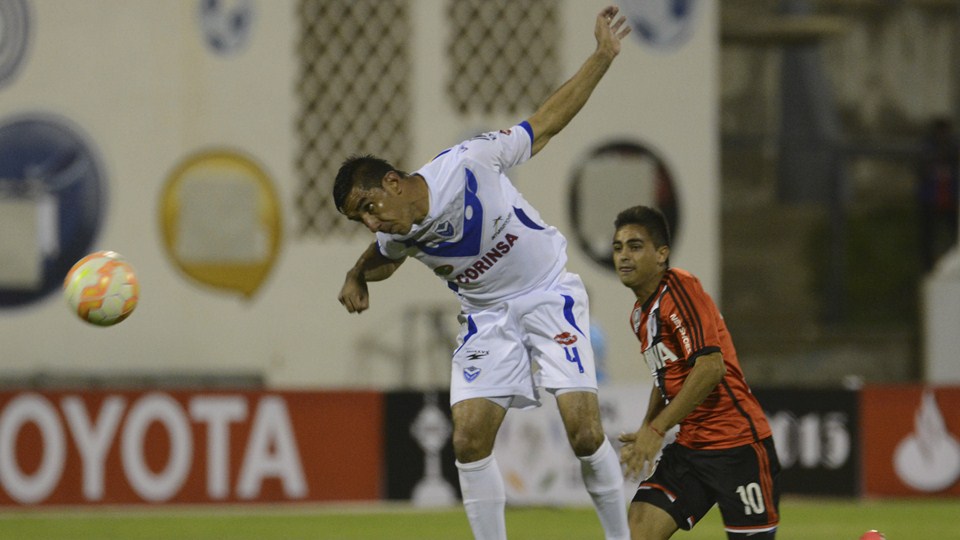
(650,219)
(364,172)
(372,191)
(641,247)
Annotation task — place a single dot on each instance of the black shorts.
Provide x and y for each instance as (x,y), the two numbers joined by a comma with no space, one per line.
(743,481)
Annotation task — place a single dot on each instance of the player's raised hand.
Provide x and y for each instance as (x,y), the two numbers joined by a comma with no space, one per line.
(610,30)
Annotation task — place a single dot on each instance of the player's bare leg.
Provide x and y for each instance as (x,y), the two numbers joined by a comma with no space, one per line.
(648,522)
(475,425)
(599,463)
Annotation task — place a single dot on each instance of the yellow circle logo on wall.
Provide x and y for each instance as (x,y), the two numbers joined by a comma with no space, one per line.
(220,220)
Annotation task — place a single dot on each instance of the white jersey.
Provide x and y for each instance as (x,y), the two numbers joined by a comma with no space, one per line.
(480,235)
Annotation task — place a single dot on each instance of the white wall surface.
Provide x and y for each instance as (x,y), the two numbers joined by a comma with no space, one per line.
(136,77)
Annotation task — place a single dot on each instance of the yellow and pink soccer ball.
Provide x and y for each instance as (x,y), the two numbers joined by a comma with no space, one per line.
(102,288)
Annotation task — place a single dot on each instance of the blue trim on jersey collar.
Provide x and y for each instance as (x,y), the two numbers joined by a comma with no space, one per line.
(441,153)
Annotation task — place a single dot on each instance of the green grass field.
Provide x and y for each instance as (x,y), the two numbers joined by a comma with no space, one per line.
(806,519)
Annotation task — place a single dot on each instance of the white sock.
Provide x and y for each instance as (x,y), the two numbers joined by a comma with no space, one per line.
(484,498)
(604,480)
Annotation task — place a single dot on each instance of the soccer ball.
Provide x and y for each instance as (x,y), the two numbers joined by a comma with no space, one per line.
(102,288)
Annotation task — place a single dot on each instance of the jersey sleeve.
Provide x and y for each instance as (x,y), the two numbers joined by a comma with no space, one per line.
(502,149)
(692,318)
(389,248)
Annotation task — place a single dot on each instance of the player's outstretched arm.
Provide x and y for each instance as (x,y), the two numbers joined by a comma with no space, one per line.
(706,374)
(639,450)
(557,111)
(371,266)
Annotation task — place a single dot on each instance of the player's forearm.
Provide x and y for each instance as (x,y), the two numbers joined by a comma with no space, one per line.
(702,380)
(557,111)
(372,266)
(654,405)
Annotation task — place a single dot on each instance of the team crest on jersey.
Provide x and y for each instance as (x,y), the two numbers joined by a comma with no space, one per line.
(471,373)
(635,319)
(445,229)
(565,338)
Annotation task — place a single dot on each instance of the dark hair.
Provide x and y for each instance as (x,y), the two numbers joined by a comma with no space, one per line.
(364,171)
(650,219)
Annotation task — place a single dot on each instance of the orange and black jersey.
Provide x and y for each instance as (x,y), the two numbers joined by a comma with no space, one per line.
(675,326)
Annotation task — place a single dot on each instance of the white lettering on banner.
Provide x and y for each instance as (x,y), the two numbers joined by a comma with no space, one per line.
(270,452)
(25,488)
(813,440)
(218,412)
(93,438)
(271,428)
(165,484)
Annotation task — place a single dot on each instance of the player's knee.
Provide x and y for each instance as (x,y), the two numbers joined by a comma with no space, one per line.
(586,440)
(468,448)
(649,522)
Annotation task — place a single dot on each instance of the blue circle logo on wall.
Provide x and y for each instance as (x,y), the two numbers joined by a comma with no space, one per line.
(226,24)
(14,37)
(52,199)
(664,24)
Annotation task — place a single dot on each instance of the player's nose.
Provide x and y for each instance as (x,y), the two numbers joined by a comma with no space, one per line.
(371,222)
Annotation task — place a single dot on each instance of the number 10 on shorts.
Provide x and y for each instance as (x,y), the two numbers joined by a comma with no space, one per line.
(752,498)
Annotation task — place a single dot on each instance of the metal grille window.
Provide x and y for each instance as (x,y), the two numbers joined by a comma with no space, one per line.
(354,69)
(503,54)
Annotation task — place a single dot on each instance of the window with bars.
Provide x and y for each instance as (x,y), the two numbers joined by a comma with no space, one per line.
(355,74)
(503,54)
(354,70)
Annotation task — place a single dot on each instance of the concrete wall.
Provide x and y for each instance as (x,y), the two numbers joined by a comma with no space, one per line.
(137,79)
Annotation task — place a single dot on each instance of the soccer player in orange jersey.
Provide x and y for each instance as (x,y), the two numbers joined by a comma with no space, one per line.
(724,452)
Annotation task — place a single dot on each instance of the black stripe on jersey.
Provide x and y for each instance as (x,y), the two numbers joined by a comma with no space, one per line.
(682,299)
(702,352)
(753,428)
(699,324)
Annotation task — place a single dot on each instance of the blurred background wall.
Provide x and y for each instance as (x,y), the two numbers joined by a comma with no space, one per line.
(784,139)
(833,240)
(176,132)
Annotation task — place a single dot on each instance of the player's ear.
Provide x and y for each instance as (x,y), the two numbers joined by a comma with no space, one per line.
(391,182)
(663,253)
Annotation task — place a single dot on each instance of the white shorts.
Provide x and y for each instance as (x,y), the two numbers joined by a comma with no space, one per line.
(538,340)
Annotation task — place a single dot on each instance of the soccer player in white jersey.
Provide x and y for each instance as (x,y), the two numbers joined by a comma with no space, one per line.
(462,217)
